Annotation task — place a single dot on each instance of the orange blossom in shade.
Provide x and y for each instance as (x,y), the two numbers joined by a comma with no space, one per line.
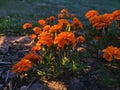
(81,39)
(72,15)
(63,14)
(63,22)
(91,13)
(42,22)
(51,18)
(37,30)
(35,48)
(109,49)
(102,21)
(46,40)
(65,38)
(32,57)
(55,28)
(111,52)
(108,56)
(33,36)
(116,14)
(64,11)
(60,16)
(76,23)
(46,28)
(27,25)
(22,66)
(108,53)
(117,54)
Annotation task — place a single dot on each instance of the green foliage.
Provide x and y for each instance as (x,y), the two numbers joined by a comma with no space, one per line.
(21,11)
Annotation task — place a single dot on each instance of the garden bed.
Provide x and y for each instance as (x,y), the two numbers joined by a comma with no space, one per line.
(91,78)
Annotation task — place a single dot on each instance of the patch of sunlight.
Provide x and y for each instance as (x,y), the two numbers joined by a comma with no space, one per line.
(2,41)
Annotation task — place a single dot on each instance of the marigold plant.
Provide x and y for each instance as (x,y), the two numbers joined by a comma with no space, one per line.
(104,20)
(56,41)
(102,28)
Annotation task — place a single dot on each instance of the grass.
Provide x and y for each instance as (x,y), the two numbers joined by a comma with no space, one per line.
(13,13)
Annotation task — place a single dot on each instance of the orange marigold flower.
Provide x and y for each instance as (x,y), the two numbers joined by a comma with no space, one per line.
(46,28)
(60,16)
(45,40)
(91,13)
(44,34)
(42,22)
(76,23)
(33,36)
(102,21)
(51,18)
(116,14)
(37,30)
(65,38)
(118,19)
(32,57)
(109,49)
(81,39)
(67,15)
(27,25)
(108,56)
(63,22)
(108,53)
(35,48)
(22,66)
(55,28)
(64,11)
(72,15)
(111,52)
(117,54)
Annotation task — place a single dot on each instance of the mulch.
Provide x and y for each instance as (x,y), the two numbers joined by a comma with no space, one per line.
(12,49)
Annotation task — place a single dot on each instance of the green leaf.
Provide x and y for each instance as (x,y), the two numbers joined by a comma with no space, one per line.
(40,73)
(65,60)
(74,66)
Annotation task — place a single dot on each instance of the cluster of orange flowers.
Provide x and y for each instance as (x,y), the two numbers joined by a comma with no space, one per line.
(51,31)
(104,20)
(48,34)
(111,52)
